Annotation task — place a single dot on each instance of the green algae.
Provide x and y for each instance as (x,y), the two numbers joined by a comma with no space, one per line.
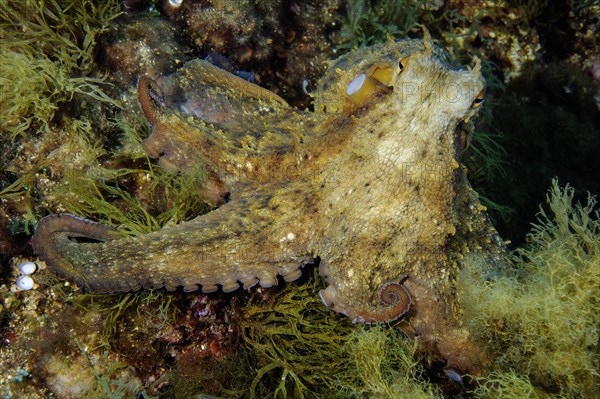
(540,318)
(510,385)
(156,308)
(586,6)
(530,10)
(47,55)
(372,21)
(128,192)
(369,22)
(104,194)
(303,350)
(22,190)
(385,364)
(297,343)
(110,384)
(119,388)
(291,346)
(49,90)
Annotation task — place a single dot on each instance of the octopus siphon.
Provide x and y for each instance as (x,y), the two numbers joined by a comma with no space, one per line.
(369,185)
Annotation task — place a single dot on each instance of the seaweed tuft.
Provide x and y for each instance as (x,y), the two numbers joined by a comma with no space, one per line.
(384,364)
(301,349)
(540,318)
(46,59)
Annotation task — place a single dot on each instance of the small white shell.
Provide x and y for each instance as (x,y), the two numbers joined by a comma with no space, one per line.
(25,283)
(27,268)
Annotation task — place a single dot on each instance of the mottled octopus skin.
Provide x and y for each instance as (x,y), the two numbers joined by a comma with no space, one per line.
(371,188)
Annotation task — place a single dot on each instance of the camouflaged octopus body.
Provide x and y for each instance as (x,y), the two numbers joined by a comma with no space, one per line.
(369,184)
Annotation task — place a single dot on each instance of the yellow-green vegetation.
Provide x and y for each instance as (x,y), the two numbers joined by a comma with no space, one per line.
(102,192)
(296,341)
(540,319)
(486,159)
(291,346)
(136,199)
(385,365)
(510,385)
(49,93)
(153,308)
(304,350)
(73,151)
(586,6)
(371,21)
(47,54)
(530,9)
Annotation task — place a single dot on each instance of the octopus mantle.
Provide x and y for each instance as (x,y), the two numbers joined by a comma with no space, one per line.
(369,184)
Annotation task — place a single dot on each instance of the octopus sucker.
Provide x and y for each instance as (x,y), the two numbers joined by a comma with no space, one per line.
(267,281)
(249,283)
(230,286)
(292,275)
(208,288)
(370,185)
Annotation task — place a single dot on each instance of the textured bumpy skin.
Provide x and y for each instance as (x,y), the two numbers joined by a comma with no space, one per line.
(369,184)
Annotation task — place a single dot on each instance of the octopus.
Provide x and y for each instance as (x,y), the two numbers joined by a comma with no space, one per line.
(368,185)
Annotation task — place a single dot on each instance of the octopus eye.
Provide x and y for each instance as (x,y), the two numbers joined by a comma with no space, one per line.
(360,88)
(479,99)
(403,63)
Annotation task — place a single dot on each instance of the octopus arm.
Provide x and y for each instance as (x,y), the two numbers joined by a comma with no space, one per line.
(203,114)
(231,245)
